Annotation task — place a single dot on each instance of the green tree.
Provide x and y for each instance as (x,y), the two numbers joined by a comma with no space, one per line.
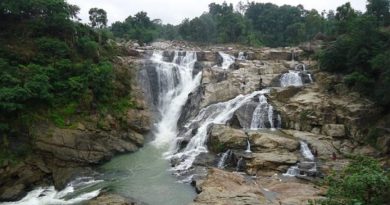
(362,182)
(98,18)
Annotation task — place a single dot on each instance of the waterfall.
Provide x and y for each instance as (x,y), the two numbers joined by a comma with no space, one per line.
(263,113)
(69,195)
(218,113)
(305,151)
(241,56)
(292,171)
(222,161)
(248,147)
(310,78)
(175,81)
(292,78)
(227,60)
(240,164)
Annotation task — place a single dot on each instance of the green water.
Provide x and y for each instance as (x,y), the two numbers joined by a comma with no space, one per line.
(144,176)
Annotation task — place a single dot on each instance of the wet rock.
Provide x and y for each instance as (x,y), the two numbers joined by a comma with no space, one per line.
(191,107)
(13,193)
(323,145)
(244,114)
(15,180)
(223,137)
(334,130)
(221,187)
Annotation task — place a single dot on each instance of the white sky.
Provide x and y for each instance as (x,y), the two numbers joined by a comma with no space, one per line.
(174,11)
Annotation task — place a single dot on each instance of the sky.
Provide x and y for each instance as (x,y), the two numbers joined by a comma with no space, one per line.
(174,11)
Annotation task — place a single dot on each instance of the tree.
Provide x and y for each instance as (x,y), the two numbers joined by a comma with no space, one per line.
(362,182)
(380,9)
(98,18)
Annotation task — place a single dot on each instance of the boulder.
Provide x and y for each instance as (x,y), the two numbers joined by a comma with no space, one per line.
(270,141)
(85,146)
(244,114)
(223,137)
(270,161)
(334,130)
(226,188)
(324,145)
(206,56)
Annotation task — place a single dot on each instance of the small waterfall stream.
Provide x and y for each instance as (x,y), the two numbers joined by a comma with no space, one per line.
(292,78)
(248,146)
(307,166)
(263,113)
(225,156)
(227,60)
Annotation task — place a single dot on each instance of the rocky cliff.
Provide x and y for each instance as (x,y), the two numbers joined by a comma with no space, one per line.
(62,153)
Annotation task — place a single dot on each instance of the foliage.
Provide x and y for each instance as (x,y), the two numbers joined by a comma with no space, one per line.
(361,50)
(98,18)
(51,66)
(362,182)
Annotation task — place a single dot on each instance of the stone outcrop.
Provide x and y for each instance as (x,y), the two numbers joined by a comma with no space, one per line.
(223,137)
(226,188)
(261,141)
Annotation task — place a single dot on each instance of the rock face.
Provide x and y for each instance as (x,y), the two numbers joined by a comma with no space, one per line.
(86,147)
(334,130)
(223,137)
(261,141)
(271,161)
(60,154)
(243,115)
(112,199)
(226,188)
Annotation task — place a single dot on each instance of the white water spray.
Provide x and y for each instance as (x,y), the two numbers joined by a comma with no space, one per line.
(263,113)
(49,196)
(227,60)
(175,81)
(218,113)
(292,78)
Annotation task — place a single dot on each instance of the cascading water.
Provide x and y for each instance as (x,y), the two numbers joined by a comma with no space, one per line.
(310,78)
(79,190)
(224,157)
(175,82)
(227,60)
(248,147)
(305,151)
(241,56)
(263,113)
(292,78)
(218,113)
(305,167)
(142,175)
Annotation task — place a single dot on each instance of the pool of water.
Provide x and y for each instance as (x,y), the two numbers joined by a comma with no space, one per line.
(145,176)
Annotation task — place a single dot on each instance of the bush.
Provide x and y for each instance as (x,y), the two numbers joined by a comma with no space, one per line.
(362,182)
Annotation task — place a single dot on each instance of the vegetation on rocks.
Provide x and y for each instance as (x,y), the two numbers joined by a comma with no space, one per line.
(362,182)
(52,66)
